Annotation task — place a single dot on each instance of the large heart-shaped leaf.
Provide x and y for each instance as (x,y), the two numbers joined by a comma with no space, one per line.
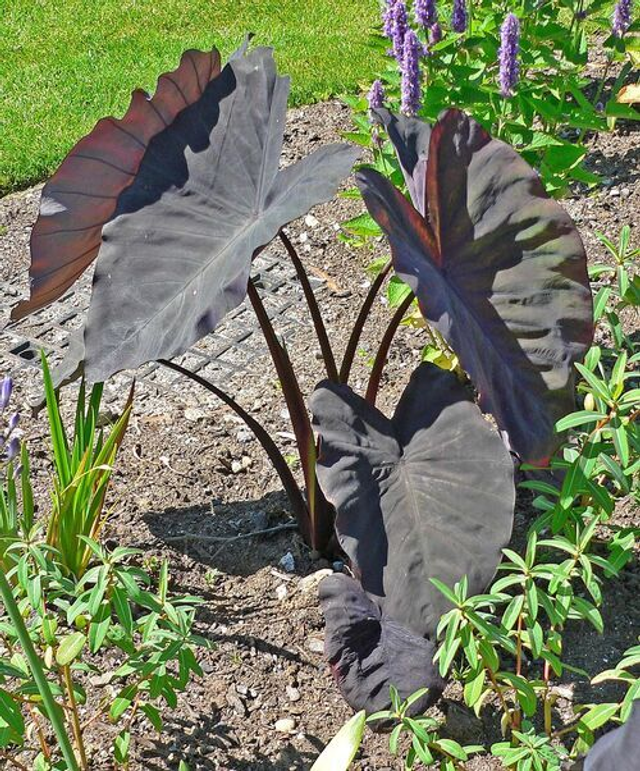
(175,257)
(428,494)
(368,651)
(498,268)
(82,195)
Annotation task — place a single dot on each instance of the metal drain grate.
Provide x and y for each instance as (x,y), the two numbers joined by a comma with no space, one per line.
(233,349)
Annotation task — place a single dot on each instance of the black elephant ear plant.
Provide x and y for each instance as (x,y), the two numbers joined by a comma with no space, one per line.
(176,198)
(500,271)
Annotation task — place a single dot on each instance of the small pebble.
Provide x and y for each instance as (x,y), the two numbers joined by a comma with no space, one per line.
(309,583)
(293,694)
(288,562)
(310,221)
(285,725)
(315,644)
(281,592)
(338,566)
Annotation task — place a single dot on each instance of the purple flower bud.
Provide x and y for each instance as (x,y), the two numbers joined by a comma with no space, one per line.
(387,19)
(5,392)
(400,27)
(508,54)
(376,95)
(410,87)
(621,18)
(13,449)
(435,34)
(13,422)
(425,12)
(459,16)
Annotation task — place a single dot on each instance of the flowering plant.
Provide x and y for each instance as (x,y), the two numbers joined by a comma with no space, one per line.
(519,73)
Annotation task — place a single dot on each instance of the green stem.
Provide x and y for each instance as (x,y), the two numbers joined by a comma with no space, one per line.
(52,707)
(75,720)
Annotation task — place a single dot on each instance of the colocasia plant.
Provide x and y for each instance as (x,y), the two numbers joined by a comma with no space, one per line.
(497,267)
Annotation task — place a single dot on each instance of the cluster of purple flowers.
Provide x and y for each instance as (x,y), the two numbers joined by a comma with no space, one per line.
(459,16)
(407,50)
(9,444)
(425,13)
(621,18)
(410,86)
(508,54)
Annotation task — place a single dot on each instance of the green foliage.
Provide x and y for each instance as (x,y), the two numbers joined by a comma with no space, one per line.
(426,744)
(67,601)
(70,625)
(554,105)
(83,470)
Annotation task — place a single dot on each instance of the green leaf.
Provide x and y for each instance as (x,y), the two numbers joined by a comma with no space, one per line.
(524,692)
(341,750)
(451,748)
(444,589)
(11,713)
(363,225)
(397,292)
(513,610)
(597,716)
(153,715)
(70,647)
(581,418)
(473,689)
(121,746)
(122,702)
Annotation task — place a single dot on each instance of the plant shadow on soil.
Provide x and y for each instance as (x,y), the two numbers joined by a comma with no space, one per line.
(210,730)
(210,535)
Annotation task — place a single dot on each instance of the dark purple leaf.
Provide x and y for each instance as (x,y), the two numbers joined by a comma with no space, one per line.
(208,195)
(499,269)
(617,750)
(368,651)
(82,195)
(428,494)
(410,137)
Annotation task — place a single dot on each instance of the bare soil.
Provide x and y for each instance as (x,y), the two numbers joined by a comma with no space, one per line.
(177,486)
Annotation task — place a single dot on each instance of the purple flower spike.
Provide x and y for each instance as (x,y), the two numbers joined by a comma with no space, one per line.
(410,102)
(376,95)
(425,12)
(400,27)
(13,422)
(5,392)
(387,19)
(459,16)
(435,34)
(621,18)
(508,54)
(13,449)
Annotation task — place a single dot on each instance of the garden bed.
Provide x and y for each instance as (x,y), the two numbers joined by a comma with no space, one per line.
(190,475)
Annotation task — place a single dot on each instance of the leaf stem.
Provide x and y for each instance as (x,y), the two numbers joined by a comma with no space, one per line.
(354,339)
(383,349)
(314,310)
(317,529)
(75,719)
(296,498)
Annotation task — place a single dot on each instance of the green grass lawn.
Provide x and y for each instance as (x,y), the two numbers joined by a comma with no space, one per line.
(66,63)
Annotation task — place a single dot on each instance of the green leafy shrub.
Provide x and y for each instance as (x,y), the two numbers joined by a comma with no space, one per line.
(550,107)
(58,617)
